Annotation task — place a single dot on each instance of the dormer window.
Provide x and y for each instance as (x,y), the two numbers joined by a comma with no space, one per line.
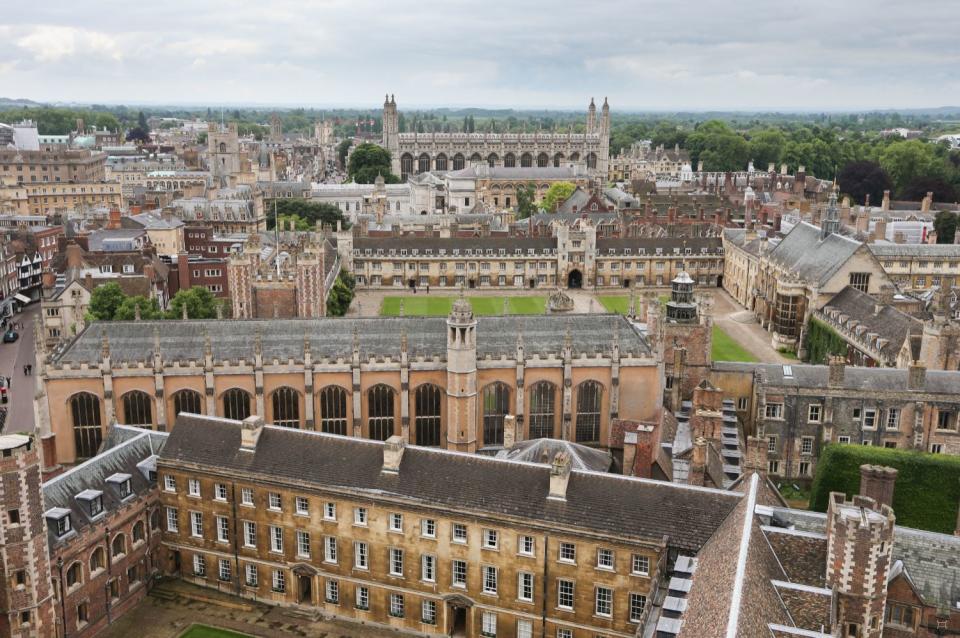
(122,484)
(60,522)
(92,501)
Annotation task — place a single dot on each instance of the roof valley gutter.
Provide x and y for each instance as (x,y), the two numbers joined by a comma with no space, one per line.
(735,603)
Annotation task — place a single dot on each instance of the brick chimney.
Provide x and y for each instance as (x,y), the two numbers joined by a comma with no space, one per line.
(640,445)
(916,376)
(756,455)
(393,454)
(698,463)
(707,417)
(250,430)
(877,482)
(74,256)
(837,364)
(559,477)
(114,221)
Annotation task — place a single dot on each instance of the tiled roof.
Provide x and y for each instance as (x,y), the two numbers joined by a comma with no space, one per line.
(333,337)
(812,259)
(881,319)
(473,484)
(854,377)
(884,249)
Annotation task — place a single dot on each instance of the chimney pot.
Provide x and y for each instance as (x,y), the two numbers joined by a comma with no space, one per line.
(837,364)
(877,482)
(559,477)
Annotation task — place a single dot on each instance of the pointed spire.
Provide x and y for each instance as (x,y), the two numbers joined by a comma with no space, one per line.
(156,341)
(258,342)
(567,338)
(632,311)
(307,351)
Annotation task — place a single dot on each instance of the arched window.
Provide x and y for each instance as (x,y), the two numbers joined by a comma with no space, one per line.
(74,574)
(333,410)
(475,158)
(87,433)
(543,160)
(458,162)
(406,165)
(380,409)
(96,560)
(543,397)
(223,147)
(137,408)
(492,160)
(526,160)
(592,160)
(509,160)
(119,545)
(423,163)
(427,421)
(236,404)
(441,162)
(557,159)
(574,157)
(286,407)
(588,411)
(187,401)
(138,532)
(496,405)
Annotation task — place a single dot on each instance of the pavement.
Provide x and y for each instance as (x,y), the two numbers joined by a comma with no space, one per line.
(13,356)
(743,327)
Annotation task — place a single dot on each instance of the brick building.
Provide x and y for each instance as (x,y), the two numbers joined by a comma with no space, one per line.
(53,164)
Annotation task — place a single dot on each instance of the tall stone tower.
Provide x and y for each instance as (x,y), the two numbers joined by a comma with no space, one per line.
(276,128)
(26,593)
(831,218)
(242,270)
(391,132)
(462,377)
(859,548)
(603,163)
(591,118)
(223,150)
(309,277)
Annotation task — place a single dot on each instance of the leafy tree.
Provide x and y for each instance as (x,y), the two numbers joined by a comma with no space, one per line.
(341,295)
(767,146)
(299,223)
(919,186)
(718,147)
(525,201)
(142,122)
(127,311)
(558,193)
(369,160)
(308,212)
(138,134)
(104,301)
(945,223)
(202,138)
(342,149)
(200,304)
(861,178)
(907,160)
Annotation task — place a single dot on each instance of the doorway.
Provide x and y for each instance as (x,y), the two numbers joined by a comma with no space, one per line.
(459,621)
(306,590)
(626,283)
(575,279)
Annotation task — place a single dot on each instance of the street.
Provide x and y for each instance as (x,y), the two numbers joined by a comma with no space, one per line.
(13,356)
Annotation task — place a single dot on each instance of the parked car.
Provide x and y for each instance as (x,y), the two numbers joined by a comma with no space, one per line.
(4,389)
(10,336)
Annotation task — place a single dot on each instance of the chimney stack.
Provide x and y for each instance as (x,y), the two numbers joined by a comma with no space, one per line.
(837,364)
(916,376)
(698,463)
(885,204)
(757,450)
(393,454)
(114,221)
(559,477)
(250,430)
(877,482)
(509,431)
(926,202)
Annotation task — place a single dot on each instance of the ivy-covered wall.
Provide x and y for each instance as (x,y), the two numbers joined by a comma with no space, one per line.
(925,496)
(822,341)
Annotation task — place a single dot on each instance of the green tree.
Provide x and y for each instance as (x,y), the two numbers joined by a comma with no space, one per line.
(525,201)
(342,149)
(341,295)
(369,160)
(104,302)
(558,193)
(142,122)
(906,160)
(766,146)
(862,178)
(945,223)
(200,304)
(718,147)
(308,212)
(299,223)
(127,311)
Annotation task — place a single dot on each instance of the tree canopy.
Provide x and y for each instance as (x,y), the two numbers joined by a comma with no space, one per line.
(199,301)
(558,193)
(342,149)
(306,214)
(945,223)
(525,201)
(369,160)
(104,301)
(341,295)
(861,178)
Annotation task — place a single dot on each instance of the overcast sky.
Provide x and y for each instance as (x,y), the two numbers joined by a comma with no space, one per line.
(644,55)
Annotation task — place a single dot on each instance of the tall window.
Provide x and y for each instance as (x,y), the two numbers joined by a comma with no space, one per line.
(860,280)
(492,160)
(509,160)
(286,407)
(186,401)
(423,163)
(588,411)
(496,405)
(458,162)
(236,404)
(441,162)
(333,410)
(87,433)
(543,160)
(526,160)
(427,419)
(557,159)
(137,408)
(592,160)
(542,409)
(406,164)
(380,407)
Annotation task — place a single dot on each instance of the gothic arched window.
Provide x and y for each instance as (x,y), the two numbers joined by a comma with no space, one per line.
(441,162)
(509,160)
(492,160)
(543,160)
(87,434)
(286,407)
(119,545)
(496,405)
(592,160)
(137,408)
(543,397)
(380,411)
(589,395)
(557,159)
(427,421)
(187,401)
(526,160)
(236,404)
(333,410)
(423,163)
(458,162)
(406,165)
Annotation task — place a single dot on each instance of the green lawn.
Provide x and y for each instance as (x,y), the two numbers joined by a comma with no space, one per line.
(203,631)
(725,348)
(620,304)
(438,306)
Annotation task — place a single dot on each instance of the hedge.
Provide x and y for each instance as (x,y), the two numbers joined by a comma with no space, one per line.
(822,341)
(927,492)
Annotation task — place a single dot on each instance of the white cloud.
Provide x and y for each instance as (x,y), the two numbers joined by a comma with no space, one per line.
(49,43)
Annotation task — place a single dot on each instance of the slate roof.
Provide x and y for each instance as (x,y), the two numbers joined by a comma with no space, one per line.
(885,320)
(854,378)
(510,244)
(131,447)
(597,503)
(96,238)
(813,260)
(532,173)
(333,337)
(883,249)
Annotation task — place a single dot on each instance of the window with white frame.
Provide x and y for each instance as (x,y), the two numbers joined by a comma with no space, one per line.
(223,529)
(303,543)
(565,593)
(396,561)
(806,445)
(564,633)
(224,569)
(428,528)
(274,502)
(249,534)
(490,539)
(773,411)
(869,418)
(814,413)
(524,629)
(603,600)
(526,545)
(772,444)
(246,496)
(804,468)
(330,511)
(638,602)
(361,559)
(640,565)
(330,549)
(604,558)
(302,506)
(199,565)
(488,624)
(219,491)
(525,586)
(459,573)
(169,483)
(459,533)
(489,579)
(276,539)
(279,581)
(332,593)
(173,523)
(360,516)
(193,487)
(428,568)
(893,419)
(428,612)
(396,605)
(773,466)
(196,524)
(362,597)
(252,577)
(567,552)
(396,522)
